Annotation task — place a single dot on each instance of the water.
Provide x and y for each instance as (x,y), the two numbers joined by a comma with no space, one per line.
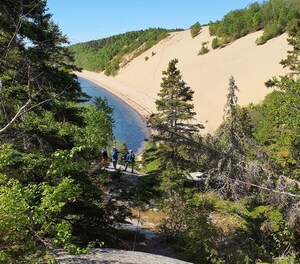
(130,127)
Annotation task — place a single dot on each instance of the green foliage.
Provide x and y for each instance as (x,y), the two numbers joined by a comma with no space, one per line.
(174,111)
(277,120)
(273,17)
(94,135)
(272,29)
(27,224)
(195,29)
(274,233)
(49,196)
(111,53)
(215,43)
(75,250)
(204,49)
(189,226)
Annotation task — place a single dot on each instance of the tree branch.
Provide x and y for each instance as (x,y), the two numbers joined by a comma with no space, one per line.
(25,108)
(21,111)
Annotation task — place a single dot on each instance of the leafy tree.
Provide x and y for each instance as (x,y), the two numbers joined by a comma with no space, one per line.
(93,135)
(277,118)
(27,225)
(190,228)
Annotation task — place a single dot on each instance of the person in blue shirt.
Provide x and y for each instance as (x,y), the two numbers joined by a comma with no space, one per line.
(114,157)
(130,159)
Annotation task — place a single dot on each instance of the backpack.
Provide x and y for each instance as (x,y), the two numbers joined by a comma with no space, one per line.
(104,153)
(130,157)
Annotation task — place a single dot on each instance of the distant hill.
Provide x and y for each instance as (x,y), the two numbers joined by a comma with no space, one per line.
(109,54)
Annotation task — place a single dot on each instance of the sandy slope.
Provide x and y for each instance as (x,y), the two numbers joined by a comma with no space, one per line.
(251,65)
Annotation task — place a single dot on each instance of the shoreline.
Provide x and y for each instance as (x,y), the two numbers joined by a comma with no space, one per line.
(107,83)
(117,88)
(138,109)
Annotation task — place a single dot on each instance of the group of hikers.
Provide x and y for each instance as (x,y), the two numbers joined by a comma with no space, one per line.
(128,157)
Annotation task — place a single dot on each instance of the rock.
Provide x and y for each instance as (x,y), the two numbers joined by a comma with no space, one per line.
(113,256)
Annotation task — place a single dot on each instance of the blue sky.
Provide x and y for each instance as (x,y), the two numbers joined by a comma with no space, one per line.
(84,20)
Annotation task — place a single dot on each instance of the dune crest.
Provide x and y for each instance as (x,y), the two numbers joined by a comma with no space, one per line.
(139,81)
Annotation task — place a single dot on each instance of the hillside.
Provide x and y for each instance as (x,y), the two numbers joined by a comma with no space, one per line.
(109,54)
(139,81)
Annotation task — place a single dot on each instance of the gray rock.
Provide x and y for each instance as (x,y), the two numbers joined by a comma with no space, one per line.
(113,256)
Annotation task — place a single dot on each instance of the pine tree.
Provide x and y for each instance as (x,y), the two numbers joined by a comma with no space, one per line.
(175,113)
(35,65)
(237,162)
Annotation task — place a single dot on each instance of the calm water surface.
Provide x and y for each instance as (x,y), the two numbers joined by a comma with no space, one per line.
(130,127)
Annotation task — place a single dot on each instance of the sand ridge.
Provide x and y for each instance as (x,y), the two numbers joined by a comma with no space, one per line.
(208,75)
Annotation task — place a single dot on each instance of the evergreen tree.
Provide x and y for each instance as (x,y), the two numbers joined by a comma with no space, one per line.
(237,162)
(47,141)
(175,113)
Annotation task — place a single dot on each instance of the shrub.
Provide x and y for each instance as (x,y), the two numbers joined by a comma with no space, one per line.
(204,49)
(271,30)
(195,29)
(215,43)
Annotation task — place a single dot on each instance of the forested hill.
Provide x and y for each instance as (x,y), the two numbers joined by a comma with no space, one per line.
(109,54)
(273,17)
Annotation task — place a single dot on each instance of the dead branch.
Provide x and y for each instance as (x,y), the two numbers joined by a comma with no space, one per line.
(25,108)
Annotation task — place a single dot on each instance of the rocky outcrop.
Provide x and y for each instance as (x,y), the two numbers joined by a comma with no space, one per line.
(113,256)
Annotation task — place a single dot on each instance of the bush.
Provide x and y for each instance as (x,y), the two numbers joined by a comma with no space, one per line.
(195,29)
(204,49)
(215,43)
(271,30)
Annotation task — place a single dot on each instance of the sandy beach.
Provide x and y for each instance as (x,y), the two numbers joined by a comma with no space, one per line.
(208,75)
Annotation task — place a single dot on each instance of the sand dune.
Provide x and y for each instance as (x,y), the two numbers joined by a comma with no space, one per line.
(139,82)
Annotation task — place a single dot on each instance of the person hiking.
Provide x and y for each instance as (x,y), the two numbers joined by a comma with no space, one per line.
(130,159)
(104,157)
(114,157)
(125,155)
